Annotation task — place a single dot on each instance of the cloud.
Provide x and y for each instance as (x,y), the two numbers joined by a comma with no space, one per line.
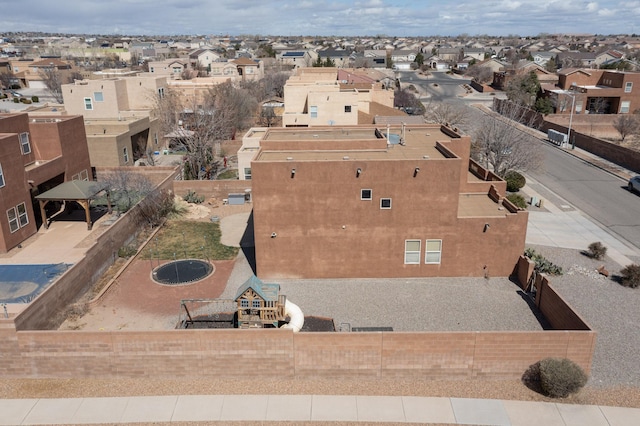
(592,7)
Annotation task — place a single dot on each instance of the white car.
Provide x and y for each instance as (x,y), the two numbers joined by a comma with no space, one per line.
(634,184)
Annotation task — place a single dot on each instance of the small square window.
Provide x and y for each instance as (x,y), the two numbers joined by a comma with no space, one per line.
(255,303)
(347,108)
(385,203)
(366,194)
(98,97)
(244,303)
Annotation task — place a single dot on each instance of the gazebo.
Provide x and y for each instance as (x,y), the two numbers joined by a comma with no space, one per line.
(80,191)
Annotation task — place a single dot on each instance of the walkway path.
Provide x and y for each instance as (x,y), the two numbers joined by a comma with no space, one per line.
(309,408)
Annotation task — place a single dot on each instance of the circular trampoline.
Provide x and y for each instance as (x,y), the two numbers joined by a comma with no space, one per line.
(178,272)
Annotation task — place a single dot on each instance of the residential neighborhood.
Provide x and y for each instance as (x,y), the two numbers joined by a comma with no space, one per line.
(386,214)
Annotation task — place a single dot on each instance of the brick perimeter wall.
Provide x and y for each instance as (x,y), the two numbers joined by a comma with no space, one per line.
(284,354)
(211,188)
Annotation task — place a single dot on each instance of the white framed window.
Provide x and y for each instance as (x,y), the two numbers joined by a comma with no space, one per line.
(98,96)
(366,194)
(125,154)
(255,303)
(247,173)
(244,303)
(628,86)
(13,220)
(2,183)
(624,107)
(433,251)
(25,145)
(313,111)
(88,104)
(23,218)
(412,252)
(385,203)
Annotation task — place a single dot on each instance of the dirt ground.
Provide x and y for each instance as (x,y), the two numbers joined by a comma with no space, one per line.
(135,301)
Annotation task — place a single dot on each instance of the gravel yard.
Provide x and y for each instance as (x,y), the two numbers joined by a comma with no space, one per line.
(609,308)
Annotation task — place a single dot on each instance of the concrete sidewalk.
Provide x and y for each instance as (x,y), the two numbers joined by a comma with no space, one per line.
(308,408)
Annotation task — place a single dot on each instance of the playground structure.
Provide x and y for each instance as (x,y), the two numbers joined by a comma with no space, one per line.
(260,305)
(256,305)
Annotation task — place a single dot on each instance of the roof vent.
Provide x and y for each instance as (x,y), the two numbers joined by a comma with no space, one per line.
(425,157)
(289,158)
(346,157)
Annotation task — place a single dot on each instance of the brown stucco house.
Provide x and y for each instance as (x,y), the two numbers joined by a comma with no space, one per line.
(36,154)
(361,201)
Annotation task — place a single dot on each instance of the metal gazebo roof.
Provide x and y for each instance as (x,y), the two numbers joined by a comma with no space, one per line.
(80,191)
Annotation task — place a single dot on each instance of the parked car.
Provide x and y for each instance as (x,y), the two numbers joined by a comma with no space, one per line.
(634,184)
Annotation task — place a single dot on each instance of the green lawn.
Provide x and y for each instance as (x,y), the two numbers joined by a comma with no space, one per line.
(186,239)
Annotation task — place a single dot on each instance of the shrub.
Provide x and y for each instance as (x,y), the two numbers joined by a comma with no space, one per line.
(35,99)
(597,250)
(25,100)
(127,251)
(542,264)
(517,200)
(560,377)
(630,276)
(16,100)
(192,197)
(515,181)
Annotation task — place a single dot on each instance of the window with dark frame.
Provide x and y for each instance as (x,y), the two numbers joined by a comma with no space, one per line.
(347,108)
(385,203)
(366,194)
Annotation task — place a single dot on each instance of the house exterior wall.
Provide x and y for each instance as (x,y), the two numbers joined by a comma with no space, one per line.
(609,85)
(14,192)
(312,223)
(58,147)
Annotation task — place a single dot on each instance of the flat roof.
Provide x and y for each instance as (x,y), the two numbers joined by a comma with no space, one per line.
(419,143)
(474,205)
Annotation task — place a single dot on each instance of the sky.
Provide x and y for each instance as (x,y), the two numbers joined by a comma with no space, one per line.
(321,17)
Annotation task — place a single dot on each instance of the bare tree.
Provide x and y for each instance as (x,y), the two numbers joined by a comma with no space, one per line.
(126,188)
(626,125)
(499,145)
(274,84)
(7,79)
(456,115)
(51,78)
(479,73)
(267,116)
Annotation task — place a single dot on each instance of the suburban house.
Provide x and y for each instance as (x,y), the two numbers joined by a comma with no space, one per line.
(541,58)
(576,59)
(596,91)
(120,126)
(203,58)
(408,194)
(248,69)
(340,58)
(375,58)
(170,68)
(296,58)
(325,96)
(36,154)
(502,78)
